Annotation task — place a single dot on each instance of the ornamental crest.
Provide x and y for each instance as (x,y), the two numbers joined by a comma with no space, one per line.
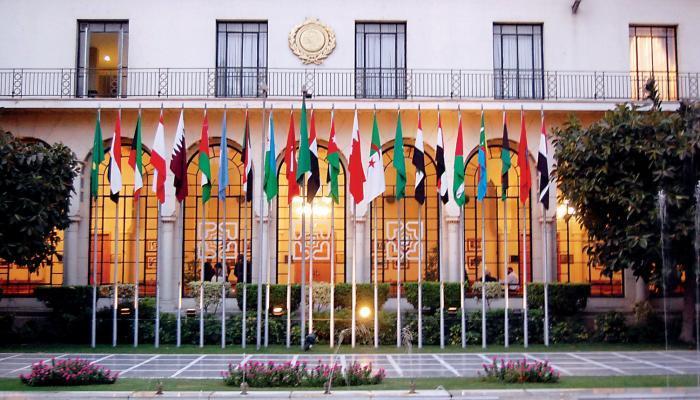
(312,41)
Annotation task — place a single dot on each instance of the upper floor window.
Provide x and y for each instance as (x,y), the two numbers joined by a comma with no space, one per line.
(380,60)
(241,58)
(517,61)
(653,54)
(102,58)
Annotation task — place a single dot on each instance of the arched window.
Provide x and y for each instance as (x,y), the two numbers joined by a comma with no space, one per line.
(214,228)
(572,259)
(19,281)
(495,208)
(129,250)
(322,228)
(387,210)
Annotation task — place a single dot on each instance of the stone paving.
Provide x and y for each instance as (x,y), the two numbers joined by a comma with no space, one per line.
(196,366)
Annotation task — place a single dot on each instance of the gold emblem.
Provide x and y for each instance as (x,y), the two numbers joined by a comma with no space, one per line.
(312,41)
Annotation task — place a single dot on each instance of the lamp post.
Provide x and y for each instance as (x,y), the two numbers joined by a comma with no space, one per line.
(566,212)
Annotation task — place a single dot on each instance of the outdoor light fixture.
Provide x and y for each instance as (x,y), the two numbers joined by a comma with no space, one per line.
(277,311)
(427,310)
(191,312)
(108,58)
(452,310)
(125,311)
(365,312)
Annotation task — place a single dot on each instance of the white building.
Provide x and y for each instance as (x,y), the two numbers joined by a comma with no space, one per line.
(61,61)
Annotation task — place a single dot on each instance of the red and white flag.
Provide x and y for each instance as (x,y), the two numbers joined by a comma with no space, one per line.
(178,160)
(356,170)
(158,161)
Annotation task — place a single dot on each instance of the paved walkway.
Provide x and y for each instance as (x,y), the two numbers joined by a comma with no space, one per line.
(195,366)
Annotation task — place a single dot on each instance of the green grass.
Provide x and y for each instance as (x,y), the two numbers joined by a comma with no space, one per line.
(322,349)
(130,384)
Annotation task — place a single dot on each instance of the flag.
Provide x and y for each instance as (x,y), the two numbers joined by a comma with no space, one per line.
(204,163)
(136,159)
(458,173)
(333,159)
(418,160)
(543,166)
(178,159)
(270,179)
(505,159)
(314,181)
(291,161)
(357,173)
(158,161)
(441,170)
(247,178)
(523,162)
(223,161)
(376,184)
(304,164)
(482,186)
(115,161)
(399,162)
(98,156)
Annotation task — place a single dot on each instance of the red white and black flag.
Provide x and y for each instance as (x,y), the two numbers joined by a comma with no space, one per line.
(418,160)
(543,166)
(115,161)
(247,178)
(314,181)
(441,170)
(178,160)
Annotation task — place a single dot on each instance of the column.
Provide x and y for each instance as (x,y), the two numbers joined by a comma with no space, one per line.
(170,263)
(451,250)
(72,273)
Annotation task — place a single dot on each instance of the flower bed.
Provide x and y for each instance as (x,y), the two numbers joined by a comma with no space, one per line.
(68,372)
(258,374)
(519,372)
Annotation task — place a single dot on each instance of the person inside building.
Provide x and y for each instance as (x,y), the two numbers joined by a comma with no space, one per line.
(512,279)
(209,271)
(219,276)
(489,277)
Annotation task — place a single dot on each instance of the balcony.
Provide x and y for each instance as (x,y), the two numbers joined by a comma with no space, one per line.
(202,83)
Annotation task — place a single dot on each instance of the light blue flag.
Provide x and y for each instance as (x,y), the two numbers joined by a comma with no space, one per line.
(483,175)
(223,162)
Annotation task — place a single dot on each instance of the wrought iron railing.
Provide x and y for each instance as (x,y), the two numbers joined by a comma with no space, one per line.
(329,83)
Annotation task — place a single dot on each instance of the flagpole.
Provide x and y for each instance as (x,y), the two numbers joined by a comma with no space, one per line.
(420,259)
(506,340)
(332,302)
(267,285)
(116,264)
(524,283)
(303,265)
(440,243)
(461,260)
(136,272)
(483,245)
(289,278)
(245,272)
(159,254)
(398,275)
(311,270)
(93,330)
(201,272)
(261,229)
(546,240)
(376,277)
(353,311)
(224,286)
(180,220)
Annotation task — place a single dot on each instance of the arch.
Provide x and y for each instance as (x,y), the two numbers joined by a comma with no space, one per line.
(321,206)
(129,250)
(235,213)
(386,210)
(494,209)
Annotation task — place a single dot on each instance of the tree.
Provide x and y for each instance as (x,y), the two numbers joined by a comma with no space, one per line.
(36,182)
(611,173)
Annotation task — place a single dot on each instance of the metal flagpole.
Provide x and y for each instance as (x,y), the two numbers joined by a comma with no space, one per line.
(398,275)
(93,331)
(180,220)
(311,270)
(332,302)
(483,274)
(201,274)
(461,277)
(524,283)
(420,277)
(289,279)
(159,254)
(267,279)
(303,264)
(261,230)
(224,286)
(376,278)
(136,273)
(115,276)
(546,277)
(245,269)
(353,311)
(505,270)
(442,283)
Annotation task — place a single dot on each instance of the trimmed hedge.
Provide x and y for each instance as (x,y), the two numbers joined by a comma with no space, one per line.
(65,299)
(278,295)
(565,299)
(431,294)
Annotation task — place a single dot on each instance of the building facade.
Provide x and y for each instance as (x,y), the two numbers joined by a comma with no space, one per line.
(62,61)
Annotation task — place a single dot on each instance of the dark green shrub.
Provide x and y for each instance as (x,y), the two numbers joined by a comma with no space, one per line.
(431,294)
(70,316)
(278,296)
(568,330)
(610,327)
(365,294)
(495,327)
(565,299)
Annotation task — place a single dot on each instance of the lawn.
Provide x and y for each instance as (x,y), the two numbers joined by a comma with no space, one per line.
(322,349)
(131,384)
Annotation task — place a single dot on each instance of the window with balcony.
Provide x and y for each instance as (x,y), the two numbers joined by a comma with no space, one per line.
(380,60)
(241,58)
(517,61)
(653,55)
(102,58)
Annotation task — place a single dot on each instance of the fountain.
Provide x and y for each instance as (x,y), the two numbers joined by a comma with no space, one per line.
(407,341)
(361,331)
